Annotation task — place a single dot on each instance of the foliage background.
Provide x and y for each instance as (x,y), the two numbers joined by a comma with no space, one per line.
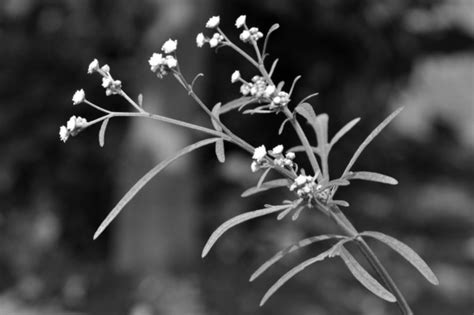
(364,58)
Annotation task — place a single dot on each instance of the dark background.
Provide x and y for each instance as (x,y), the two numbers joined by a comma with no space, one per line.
(365,58)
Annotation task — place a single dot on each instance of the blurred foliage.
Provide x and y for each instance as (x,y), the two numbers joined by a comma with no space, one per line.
(357,54)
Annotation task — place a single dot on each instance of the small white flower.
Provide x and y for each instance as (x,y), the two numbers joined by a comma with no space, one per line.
(155,61)
(259,153)
(245,89)
(106,82)
(200,39)
(93,66)
(278,149)
(269,90)
(213,22)
(78,97)
(63,133)
(290,155)
(213,42)
(71,123)
(300,180)
(244,36)
(80,122)
(235,76)
(171,61)
(105,68)
(169,46)
(240,21)
(254,167)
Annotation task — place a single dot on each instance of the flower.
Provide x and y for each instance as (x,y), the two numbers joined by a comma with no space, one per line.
(235,76)
(254,167)
(93,66)
(78,97)
(278,149)
(259,153)
(155,61)
(215,40)
(240,21)
(245,89)
(105,68)
(244,36)
(290,155)
(106,82)
(169,46)
(63,134)
(73,126)
(200,40)
(171,61)
(305,185)
(213,22)
(269,90)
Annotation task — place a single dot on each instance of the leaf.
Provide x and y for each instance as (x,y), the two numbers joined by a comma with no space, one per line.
(300,244)
(371,137)
(237,220)
(273,28)
(336,182)
(290,274)
(307,98)
(343,131)
(341,203)
(364,277)
(140,100)
(300,148)
(263,176)
(145,179)
(293,84)
(237,103)
(215,113)
(272,69)
(406,252)
(276,183)
(371,176)
(102,129)
(307,111)
(220,152)
(282,126)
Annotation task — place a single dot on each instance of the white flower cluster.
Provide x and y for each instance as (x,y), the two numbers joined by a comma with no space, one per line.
(78,97)
(163,64)
(258,158)
(213,41)
(72,128)
(280,159)
(304,185)
(263,91)
(250,35)
(111,86)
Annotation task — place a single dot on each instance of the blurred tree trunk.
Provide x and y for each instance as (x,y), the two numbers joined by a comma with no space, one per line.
(157,232)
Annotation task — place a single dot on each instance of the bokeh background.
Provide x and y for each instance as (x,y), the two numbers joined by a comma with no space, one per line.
(365,58)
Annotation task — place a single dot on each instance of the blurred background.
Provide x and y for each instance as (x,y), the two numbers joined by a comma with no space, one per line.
(365,58)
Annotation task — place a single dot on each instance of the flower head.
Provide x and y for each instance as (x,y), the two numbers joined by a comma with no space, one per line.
(235,76)
(200,40)
(169,46)
(78,97)
(244,36)
(259,153)
(105,68)
(171,61)
(278,149)
(63,134)
(240,21)
(213,22)
(93,66)
(73,126)
(215,40)
(162,65)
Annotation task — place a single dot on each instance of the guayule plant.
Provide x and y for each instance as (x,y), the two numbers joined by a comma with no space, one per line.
(312,189)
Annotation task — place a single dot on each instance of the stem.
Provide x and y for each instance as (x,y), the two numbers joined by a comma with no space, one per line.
(132,102)
(341,220)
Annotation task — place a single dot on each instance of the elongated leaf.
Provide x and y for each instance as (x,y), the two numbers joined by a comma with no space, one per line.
(371,176)
(220,153)
(272,69)
(276,183)
(302,243)
(263,176)
(273,28)
(344,130)
(237,220)
(406,252)
(145,179)
(300,148)
(371,137)
(364,277)
(341,203)
(307,111)
(282,126)
(140,99)
(237,103)
(290,274)
(307,98)
(102,129)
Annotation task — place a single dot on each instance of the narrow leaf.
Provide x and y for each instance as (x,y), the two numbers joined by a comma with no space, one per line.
(290,274)
(262,178)
(102,129)
(220,152)
(300,148)
(272,69)
(341,203)
(237,103)
(371,176)
(140,99)
(371,137)
(300,244)
(282,126)
(273,28)
(145,179)
(364,277)
(307,111)
(343,131)
(307,98)
(215,113)
(237,220)
(276,183)
(293,84)
(406,252)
